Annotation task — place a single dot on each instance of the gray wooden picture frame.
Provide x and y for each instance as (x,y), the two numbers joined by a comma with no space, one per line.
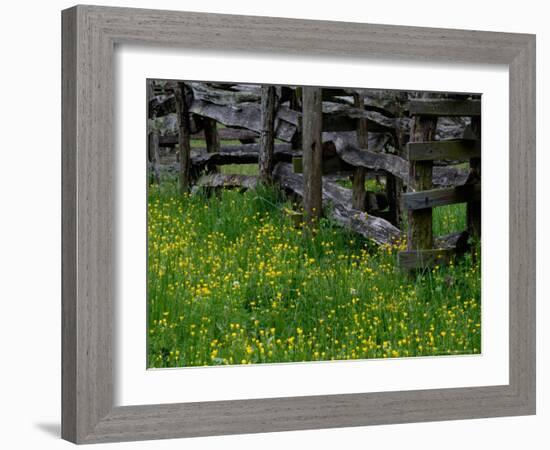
(89,37)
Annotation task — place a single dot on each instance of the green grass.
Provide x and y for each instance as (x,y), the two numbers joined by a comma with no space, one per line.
(231,281)
(370,184)
(449,219)
(240,169)
(200,143)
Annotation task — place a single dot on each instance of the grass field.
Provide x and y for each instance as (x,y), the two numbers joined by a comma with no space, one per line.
(231,281)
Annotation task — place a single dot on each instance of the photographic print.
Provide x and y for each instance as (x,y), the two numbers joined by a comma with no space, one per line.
(291,224)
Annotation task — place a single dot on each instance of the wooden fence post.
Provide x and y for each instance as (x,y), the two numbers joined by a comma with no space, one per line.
(212,139)
(420,233)
(359,193)
(267,133)
(295,105)
(211,136)
(154,157)
(394,185)
(312,150)
(473,209)
(184,136)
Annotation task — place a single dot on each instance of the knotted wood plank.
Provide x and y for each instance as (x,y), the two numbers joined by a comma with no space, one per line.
(440,197)
(456,150)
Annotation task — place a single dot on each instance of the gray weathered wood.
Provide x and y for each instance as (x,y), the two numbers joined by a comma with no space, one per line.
(225,181)
(439,197)
(184,136)
(341,117)
(88,301)
(456,150)
(458,241)
(444,107)
(443,176)
(473,208)
(448,176)
(359,192)
(337,199)
(214,94)
(74,425)
(419,231)
(394,188)
(211,136)
(247,115)
(239,154)
(312,153)
(395,185)
(224,134)
(358,187)
(329,165)
(267,133)
(370,159)
(162,106)
(154,157)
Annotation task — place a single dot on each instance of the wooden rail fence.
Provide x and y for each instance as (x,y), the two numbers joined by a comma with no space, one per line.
(329,134)
(422,151)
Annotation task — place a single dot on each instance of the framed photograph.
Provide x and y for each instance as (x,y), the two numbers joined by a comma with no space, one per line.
(267,229)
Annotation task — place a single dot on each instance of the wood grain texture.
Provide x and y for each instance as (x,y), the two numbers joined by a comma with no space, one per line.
(211,136)
(88,300)
(359,193)
(88,198)
(267,134)
(420,223)
(312,153)
(444,107)
(154,157)
(336,201)
(69,336)
(473,208)
(439,197)
(457,150)
(184,137)
(238,154)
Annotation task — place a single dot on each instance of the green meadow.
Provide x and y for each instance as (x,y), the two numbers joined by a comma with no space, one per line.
(231,280)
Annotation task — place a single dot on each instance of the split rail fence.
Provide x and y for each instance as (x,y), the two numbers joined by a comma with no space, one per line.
(307,139)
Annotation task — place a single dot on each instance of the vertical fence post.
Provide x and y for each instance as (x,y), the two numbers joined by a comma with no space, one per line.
(394,185)
(394,188)
(473,209)
(154,157)
(212,139)
(295,105)
(267,133)
(312,150)
(393,193)
(420,233)
(358,199)
(184,136)
(211,135)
